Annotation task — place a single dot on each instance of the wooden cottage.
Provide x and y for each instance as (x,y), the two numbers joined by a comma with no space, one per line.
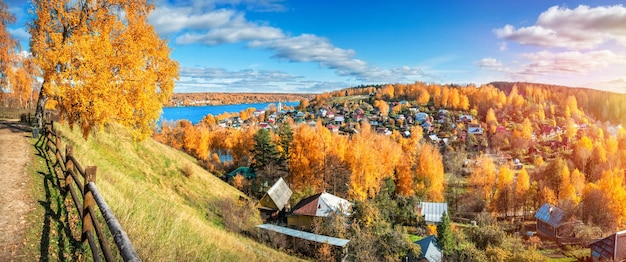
(430,251)
(275,200)
(318,205)
(611,248)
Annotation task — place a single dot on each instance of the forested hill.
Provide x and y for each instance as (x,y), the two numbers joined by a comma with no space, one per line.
(603,105)
(200,99)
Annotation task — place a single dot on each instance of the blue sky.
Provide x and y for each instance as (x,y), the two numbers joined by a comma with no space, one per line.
(317,46)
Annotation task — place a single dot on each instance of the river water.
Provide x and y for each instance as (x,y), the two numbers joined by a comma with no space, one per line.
(196,113)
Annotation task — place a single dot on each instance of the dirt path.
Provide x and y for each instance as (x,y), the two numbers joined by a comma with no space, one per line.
(15,201)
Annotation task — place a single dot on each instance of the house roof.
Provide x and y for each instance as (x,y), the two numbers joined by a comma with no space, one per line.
(322,205)
(277,196)
(432,211)
(430,249)
(306,235)
(245,171)
(550,214)
(611,247)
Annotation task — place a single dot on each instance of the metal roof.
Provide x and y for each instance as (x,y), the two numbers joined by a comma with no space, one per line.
(306,235)
(280,193)
(430,250)
(432,211)
(550,214)
(322,205)
(611,247)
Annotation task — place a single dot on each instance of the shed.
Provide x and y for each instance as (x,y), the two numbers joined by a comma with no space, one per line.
(245,171)
(612,248)
(432,211)
(276,198)
(549,219)
(318,205)
(430,250)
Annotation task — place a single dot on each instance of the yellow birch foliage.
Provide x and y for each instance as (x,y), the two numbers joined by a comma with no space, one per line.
(504,190)
(522,185)
(429,174)
(483,178)
(102,62)
(7,44)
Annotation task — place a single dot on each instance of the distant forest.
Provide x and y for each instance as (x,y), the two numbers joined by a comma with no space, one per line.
(200,99)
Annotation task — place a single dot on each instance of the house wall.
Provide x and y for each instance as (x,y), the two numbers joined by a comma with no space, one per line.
(545,229)
(304,222)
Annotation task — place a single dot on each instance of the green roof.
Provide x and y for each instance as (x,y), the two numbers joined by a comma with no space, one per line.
(245,171)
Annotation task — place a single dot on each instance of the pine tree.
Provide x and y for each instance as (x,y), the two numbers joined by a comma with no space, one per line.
(445,239)
(264,152)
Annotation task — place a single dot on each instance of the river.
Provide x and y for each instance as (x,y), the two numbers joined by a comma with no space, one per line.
(196,113)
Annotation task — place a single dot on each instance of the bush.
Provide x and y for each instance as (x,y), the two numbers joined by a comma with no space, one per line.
(239,216)
(187,170)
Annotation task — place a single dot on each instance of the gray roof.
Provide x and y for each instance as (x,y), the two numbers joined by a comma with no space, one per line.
(432,211)
(430,250)
(280,193)
(550,214)
(306,235)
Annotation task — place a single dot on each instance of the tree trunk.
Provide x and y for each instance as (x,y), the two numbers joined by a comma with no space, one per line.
(41,105)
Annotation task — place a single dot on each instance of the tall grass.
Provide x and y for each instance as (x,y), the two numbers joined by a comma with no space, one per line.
(168,216)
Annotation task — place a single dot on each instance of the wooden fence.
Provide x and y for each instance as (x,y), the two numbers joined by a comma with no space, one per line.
(80,183)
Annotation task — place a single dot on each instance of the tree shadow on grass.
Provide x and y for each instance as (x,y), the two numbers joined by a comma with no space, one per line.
(58,242)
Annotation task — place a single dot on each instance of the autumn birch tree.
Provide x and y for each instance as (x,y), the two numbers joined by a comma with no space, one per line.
(102,62)
(7,45)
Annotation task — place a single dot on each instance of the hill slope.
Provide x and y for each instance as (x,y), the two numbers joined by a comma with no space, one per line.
(168,216)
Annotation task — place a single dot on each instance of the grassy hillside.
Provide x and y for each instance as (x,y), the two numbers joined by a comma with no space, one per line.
(167,215)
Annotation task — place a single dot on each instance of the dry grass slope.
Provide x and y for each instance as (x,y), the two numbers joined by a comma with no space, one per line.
(167,215)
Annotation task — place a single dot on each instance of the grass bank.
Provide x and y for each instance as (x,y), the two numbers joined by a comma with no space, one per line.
(164,200)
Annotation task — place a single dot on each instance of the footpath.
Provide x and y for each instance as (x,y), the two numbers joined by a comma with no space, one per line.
(15,202)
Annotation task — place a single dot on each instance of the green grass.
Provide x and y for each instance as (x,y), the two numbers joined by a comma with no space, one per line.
(168,216)
(49,237)
(414,238)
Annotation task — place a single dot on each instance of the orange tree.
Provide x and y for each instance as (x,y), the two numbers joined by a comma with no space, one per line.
(102,62)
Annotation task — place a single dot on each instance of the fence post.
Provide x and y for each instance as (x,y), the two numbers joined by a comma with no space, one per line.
(69,165)
(57,144)
(88,201)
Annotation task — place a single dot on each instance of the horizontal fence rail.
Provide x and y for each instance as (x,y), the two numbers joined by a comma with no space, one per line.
(87,192)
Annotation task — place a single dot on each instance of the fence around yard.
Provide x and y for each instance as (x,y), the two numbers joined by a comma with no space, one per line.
(81,184)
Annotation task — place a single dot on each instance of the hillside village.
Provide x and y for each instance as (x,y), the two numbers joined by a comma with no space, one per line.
(493,168)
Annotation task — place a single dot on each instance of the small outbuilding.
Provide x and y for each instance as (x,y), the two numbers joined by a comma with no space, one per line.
(432,211)
(611,248)
(244,171)
(430,250)
(275,200)
(318,205)
(549,219)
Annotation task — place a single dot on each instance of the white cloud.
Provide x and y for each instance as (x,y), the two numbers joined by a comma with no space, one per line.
(192,24)
(248,80)
(573,62)
(490,63)
(580,28)
(231,34)
(174,19)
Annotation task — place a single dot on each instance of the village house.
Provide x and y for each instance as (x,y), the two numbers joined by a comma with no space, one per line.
(430,251)
(318,205)
(611,248)
(552,223)
(275,201)
(474,129)
(432,211)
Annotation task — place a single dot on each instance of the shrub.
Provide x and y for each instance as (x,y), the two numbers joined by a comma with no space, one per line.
(187,170)
(239,216)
